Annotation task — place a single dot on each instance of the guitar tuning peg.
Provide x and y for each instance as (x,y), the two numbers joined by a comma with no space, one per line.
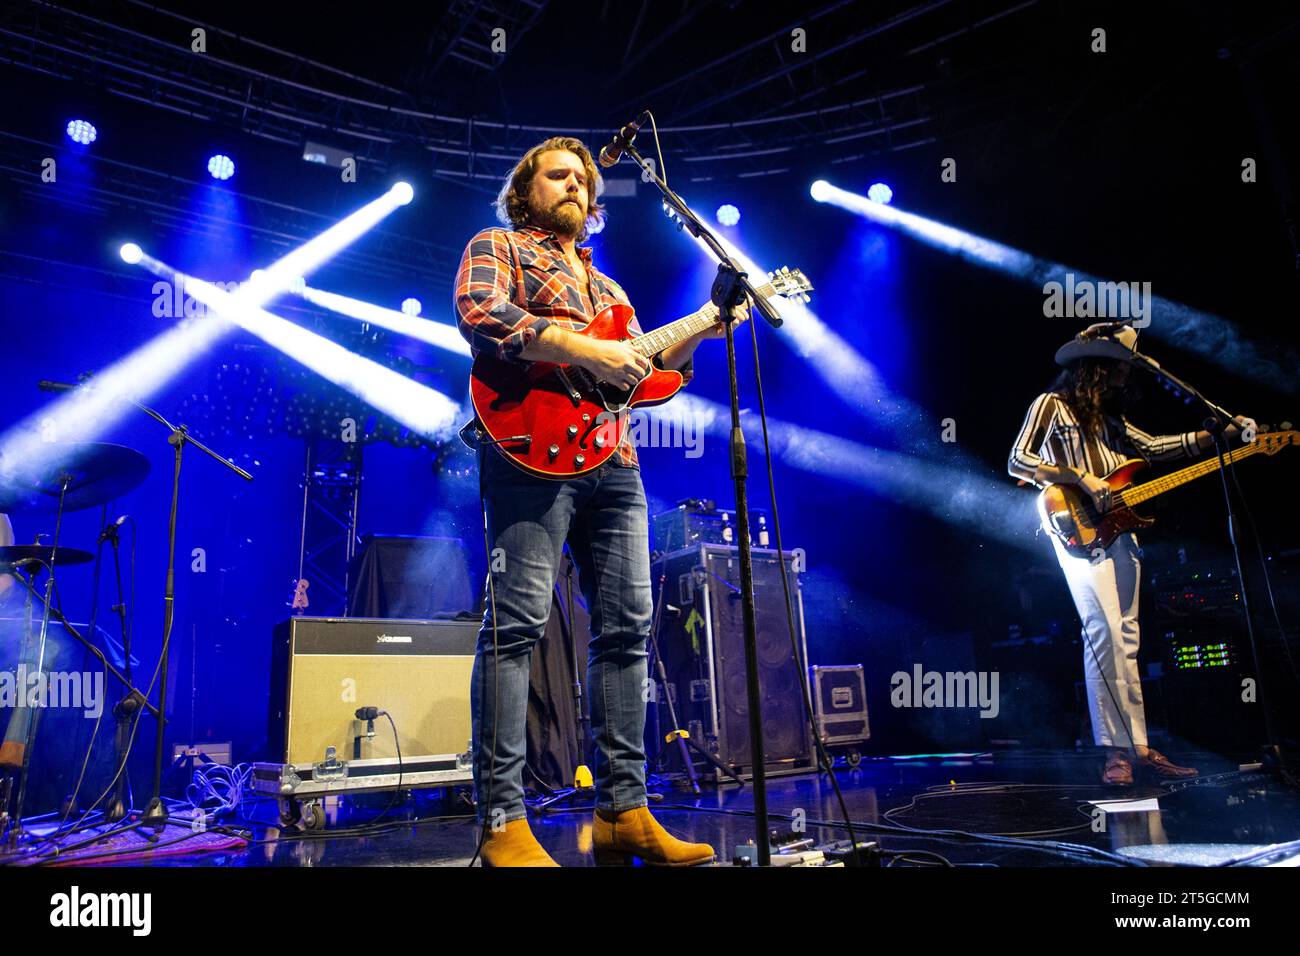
(1285,426)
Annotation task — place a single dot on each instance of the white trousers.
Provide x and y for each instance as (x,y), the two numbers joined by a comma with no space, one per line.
(1105,592)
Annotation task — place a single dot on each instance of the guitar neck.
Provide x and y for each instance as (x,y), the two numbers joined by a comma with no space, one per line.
(666,336)
(1159,486)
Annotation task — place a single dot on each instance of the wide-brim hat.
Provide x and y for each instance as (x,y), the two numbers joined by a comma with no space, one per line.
(1105,340)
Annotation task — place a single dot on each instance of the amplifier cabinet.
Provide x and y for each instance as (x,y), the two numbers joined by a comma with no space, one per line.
(702,643)
(323,669)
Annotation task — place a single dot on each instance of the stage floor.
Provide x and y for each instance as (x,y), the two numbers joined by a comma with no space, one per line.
(1038,800)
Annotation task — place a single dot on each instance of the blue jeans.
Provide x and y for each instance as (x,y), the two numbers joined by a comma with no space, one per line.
(603,517)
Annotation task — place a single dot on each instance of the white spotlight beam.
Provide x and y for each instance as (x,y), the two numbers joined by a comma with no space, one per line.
(33,445)
(425,330)
(1209,335)
(427,412)
(979,503)
(851,376)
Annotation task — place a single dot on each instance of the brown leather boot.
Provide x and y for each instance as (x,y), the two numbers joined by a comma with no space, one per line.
(1155,764)
(11,753)
(514,845)
(618,837)
(1119,770)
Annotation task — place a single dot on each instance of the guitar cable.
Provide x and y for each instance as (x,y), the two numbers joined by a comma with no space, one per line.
(823,758)
(496,665)
(1268,581)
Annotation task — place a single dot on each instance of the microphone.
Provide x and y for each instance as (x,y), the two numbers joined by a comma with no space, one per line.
(111,530)
(612,153)
(47,386)
(368,713)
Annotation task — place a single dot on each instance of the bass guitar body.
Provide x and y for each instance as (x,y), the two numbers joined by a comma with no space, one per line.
(557,421)
(1068,513)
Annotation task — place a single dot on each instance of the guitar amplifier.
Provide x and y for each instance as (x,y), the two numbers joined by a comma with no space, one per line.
(323,669)
(702,643)
(698,521)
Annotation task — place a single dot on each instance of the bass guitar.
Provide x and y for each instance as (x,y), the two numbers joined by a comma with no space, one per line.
(1068,512)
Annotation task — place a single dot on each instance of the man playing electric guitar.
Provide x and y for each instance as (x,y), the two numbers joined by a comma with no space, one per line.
(521,295)
(1071,435)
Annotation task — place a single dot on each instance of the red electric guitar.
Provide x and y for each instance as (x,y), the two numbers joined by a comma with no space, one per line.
(557,421)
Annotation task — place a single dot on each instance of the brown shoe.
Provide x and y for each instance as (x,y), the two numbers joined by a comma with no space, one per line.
(514,845)
(11,754)
(1156,764)
(618,837)
(1119,770)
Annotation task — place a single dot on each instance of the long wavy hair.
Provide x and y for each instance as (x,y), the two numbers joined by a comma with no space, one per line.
(512,202)
(1086,387)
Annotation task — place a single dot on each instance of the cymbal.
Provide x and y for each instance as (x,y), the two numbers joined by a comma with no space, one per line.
(20,552)
(98,472)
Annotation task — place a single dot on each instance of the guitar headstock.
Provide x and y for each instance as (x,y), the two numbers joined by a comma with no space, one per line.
(1272,442)
(790,283)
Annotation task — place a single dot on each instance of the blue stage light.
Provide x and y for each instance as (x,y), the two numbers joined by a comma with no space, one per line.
(221,166)
(879,192)
(80,131)
(411,306)
(131,253)
(728,215)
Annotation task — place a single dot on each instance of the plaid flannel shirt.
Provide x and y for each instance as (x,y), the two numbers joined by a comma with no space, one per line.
(487,297)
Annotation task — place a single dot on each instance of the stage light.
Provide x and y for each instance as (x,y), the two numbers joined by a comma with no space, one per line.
(429,413)
(852,377)
(221,166)
(38,441)
(820,190)
(441,334)
(80,131)
(728,215)
(879,192)
(403,193)
(130,253)
(1205,333)
(969,498)
(411,307)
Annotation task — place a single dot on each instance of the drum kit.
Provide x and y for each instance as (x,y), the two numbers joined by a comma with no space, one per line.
(81,476)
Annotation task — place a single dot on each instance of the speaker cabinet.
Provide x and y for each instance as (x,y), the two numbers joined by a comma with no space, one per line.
(702,642)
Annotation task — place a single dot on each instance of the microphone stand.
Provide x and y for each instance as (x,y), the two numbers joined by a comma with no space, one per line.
(1215,424)
(17,833)
(155,814)
(729,289)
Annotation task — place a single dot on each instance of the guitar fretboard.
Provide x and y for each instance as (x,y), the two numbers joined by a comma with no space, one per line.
(1150,489)
(652,343)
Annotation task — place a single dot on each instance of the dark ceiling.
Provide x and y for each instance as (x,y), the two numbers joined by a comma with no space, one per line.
(734,95)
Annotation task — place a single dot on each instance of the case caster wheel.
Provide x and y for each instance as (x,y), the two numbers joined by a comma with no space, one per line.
(854,757)
(290,813)
(313,817)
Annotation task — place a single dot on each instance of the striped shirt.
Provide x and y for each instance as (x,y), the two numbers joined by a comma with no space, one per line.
(1051,435)
(495,317)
